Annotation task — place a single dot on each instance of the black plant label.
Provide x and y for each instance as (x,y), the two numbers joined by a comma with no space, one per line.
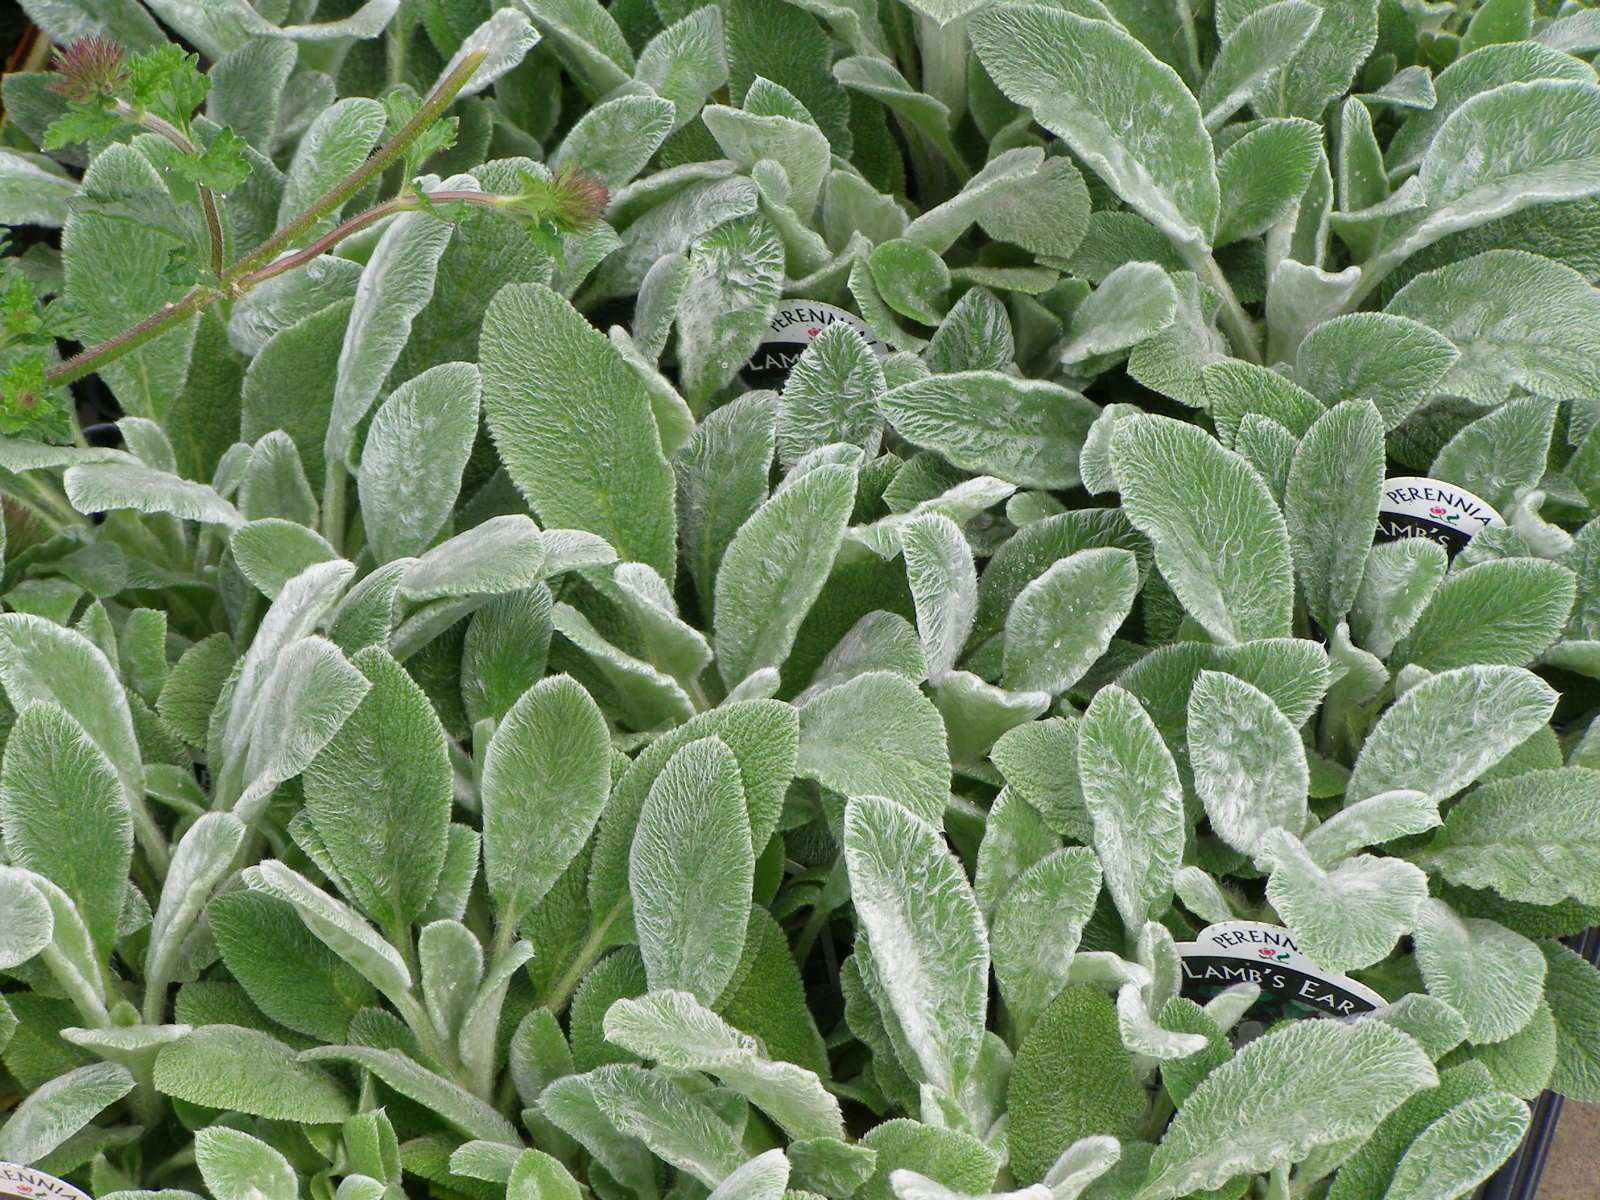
(1292,985)
(1416,506)
(793,327)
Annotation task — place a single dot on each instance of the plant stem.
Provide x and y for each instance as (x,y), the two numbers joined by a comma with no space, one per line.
(208,204)
(92,359)
(1373,272)
(561,991)
(395,51)
(151,840)
(333,498)
(399,935)
(813,929)
(362,220)
(87,361)
(439,100)
(181,1161)
(79,990)
(835,891)
(157,323)
(208,200)
(430,1040)
(322,245)
(944,62)
(1237,323)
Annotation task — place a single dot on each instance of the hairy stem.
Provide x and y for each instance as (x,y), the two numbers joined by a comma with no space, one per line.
(333,498)
(555,999)
(92,359)
(208,200)
(944,62)
(430,1040)
(1373,272)
(362,220)
(151,840)
(439,100)
(1236,323)
(157,323)
(90,1005)
(87,361)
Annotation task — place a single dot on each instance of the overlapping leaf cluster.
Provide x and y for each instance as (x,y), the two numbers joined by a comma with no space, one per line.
(464,742)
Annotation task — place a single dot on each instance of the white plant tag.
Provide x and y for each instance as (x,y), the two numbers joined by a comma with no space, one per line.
(1416,506)
(791,330)
(24,1183)
(1233,952)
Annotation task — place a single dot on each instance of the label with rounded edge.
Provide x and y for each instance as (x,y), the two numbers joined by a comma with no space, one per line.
(791,330)
(24,1183)
(1416,506)
(1233,952)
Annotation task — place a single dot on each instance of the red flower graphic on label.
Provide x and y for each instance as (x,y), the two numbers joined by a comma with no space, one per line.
(1437,511)
(813,332)
(1271,952)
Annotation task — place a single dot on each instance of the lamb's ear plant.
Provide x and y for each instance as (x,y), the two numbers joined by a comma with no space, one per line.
(462,740)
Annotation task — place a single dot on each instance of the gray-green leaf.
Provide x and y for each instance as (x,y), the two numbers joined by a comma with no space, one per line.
(574,426)
(412,460)
(63,814)
(1126,114)
(1025,431)
(1534,838)
(1306,1085)
(691,871)
(1348,917)
(944,587)
(1516,318)
(1219,538)
(877,735)
(1490,975)
(1505,611)
(1449,729)
(1331,506)
(1248,761)
(775,567)
(831,395)
(1386,358)
(231,1067)
(1131,789)
(546,777)
(1062,622)
(678,1032)
(1037,926)
(928,941)
(59,1108)
(379,795)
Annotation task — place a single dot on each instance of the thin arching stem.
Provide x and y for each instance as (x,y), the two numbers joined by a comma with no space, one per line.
(94,357)
(208,199)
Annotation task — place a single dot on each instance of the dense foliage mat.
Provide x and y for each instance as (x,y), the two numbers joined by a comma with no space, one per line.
(713,601)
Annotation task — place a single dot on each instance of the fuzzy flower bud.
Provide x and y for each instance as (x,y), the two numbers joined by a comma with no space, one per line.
(580,197)
(568,202)
(89,68)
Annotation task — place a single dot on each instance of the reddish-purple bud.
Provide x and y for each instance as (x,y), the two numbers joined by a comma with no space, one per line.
(90,67)
(580,196)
